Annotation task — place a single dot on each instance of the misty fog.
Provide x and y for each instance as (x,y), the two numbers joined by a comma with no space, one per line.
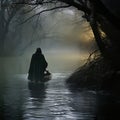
(64,36)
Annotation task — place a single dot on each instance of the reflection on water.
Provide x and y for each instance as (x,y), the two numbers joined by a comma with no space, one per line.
(37,91)
(21,100)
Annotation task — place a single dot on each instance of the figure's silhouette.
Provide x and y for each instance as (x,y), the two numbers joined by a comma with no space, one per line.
(38,66)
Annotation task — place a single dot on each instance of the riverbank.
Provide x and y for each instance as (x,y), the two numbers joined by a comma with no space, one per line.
(96,74)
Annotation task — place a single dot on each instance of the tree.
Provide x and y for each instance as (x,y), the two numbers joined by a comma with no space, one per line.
(7,13)
(100,17)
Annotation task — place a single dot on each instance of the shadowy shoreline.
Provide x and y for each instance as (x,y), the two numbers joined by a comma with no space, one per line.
(99,76)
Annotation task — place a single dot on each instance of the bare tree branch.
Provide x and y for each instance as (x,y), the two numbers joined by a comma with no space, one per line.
(31,9)
(33,3)
(46,10)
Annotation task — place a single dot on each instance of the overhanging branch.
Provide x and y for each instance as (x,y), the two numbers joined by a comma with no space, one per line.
(46,10)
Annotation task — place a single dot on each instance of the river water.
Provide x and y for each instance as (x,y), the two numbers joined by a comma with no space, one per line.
(54,100)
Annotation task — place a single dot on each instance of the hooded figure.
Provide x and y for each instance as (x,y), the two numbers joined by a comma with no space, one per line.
(38,66)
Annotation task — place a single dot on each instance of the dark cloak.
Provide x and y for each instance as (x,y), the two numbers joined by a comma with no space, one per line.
(37,67)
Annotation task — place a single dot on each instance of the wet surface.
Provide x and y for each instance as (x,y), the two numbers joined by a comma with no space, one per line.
(21,100)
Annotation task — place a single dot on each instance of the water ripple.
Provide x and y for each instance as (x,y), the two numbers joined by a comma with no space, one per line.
(52,101)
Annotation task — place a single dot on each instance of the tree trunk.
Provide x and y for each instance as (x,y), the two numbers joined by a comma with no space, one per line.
(95,30)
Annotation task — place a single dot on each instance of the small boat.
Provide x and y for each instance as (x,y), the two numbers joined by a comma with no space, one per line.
(46,78)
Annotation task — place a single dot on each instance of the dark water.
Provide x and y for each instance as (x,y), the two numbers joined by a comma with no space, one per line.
(20,100)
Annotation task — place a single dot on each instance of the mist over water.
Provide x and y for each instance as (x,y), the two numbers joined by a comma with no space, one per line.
(56,63)
(59,34)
